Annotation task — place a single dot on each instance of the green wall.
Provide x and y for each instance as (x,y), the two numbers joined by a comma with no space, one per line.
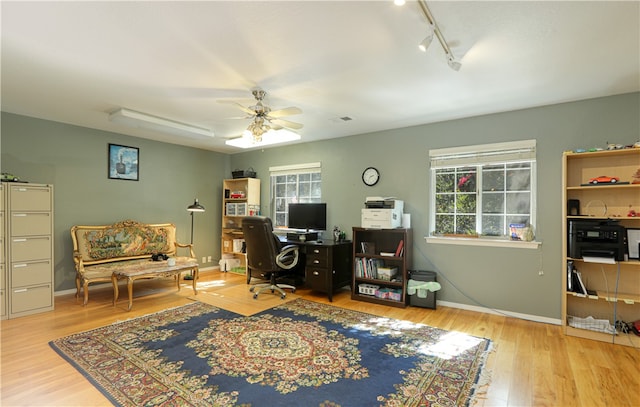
(74,160)
(499,278)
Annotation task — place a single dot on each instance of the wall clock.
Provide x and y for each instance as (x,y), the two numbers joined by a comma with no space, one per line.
(370,176)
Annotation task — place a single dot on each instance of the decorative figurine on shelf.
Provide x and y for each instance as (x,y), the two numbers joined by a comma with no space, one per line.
(636,177)
(336,234)
(632,212)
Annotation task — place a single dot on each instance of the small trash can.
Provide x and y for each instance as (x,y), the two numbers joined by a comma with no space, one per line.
(423,275)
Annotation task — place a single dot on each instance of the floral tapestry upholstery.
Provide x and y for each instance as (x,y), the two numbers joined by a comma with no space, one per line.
(123,240)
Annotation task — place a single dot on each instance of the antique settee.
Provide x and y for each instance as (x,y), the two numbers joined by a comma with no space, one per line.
(125,249)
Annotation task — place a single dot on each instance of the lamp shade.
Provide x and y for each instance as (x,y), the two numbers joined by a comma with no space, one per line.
(195,207)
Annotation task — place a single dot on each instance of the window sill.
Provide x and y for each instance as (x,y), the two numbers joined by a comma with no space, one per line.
(465,241)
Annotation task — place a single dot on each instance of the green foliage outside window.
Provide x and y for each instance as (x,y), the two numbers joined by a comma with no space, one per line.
(482,199)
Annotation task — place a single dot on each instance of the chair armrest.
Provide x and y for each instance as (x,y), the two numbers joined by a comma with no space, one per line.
(189,245)
(288,257)
(77,259)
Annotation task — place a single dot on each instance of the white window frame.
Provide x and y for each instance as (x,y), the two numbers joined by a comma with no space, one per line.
(285,170)
(478,156)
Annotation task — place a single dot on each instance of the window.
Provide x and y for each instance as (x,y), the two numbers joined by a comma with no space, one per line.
(293,183)
(482,190)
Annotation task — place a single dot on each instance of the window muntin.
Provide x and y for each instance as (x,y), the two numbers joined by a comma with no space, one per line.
(294,185)
(474,194)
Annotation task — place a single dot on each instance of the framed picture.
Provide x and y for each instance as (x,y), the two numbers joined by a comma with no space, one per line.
(123,162)
(633,242)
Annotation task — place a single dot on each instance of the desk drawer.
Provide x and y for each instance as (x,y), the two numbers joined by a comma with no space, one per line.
(317,279)
(32,273)
(317,257)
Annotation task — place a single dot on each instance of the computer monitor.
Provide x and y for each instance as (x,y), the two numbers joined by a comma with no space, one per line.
(308,216)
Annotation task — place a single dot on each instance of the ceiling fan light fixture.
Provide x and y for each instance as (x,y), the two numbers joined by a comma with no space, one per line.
(270,137)
(135,119)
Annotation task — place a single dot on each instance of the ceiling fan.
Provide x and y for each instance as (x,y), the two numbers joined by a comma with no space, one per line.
(265,119)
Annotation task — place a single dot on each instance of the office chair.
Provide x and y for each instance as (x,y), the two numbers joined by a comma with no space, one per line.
(266,256)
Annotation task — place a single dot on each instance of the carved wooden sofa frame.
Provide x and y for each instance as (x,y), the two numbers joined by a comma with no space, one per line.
(98,251)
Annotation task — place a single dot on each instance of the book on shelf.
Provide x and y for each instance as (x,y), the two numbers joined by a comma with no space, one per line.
(387,254)
(368,247)
(578,285)
(367,268)
(400,249)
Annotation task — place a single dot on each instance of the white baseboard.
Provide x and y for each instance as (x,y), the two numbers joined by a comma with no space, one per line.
(73,290)
(528,317)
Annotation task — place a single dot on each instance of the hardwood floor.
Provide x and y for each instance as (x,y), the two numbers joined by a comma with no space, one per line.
(533,364)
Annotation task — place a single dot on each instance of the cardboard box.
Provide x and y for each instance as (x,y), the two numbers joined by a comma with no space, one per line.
(387,273)
(238,245)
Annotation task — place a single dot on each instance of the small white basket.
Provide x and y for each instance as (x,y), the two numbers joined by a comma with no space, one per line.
(368,289)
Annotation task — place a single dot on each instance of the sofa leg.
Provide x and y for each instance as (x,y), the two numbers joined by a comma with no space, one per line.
(86,292)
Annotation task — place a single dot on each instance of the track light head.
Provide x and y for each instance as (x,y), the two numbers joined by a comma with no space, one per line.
(426,42)
(453,63)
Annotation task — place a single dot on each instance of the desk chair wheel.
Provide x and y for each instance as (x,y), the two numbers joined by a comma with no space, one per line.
(255,296)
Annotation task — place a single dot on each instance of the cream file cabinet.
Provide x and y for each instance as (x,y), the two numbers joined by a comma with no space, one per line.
(3,268)
(29,248)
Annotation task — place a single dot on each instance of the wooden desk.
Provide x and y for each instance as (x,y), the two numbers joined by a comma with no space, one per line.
(327,265)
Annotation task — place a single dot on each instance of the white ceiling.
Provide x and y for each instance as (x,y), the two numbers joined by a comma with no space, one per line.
(75,62)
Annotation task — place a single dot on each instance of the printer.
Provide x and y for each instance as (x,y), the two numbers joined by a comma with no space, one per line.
(382,213)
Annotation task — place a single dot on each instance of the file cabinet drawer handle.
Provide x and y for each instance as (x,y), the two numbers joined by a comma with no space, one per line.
(15,266)
(20,215)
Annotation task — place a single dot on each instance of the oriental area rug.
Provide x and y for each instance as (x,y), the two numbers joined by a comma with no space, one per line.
(300,353)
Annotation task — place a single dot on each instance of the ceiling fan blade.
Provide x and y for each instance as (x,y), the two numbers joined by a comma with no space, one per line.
(238,105)
(288,111)
(286,123)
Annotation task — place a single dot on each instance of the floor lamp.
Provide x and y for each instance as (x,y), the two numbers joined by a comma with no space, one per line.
(195,207)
